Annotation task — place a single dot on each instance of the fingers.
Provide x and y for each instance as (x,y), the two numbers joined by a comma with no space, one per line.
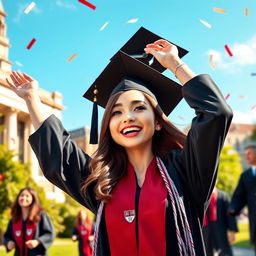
(10,84)
(162,42)
(29,78)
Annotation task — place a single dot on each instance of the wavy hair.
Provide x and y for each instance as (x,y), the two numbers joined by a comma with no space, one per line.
(34,209)
(109,162)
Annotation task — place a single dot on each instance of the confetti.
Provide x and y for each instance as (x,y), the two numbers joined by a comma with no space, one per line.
(29,8)
(211,62)
(105,24)
(31,43)
(246,12)
(132,21)
(206,23)
(219,10)
(228,50)
(87,4)
(253,107)
(18,63)
(72,57)
(243,97)
(227,96)
(253,74)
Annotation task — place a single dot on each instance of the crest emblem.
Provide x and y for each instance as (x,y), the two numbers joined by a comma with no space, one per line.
(129,215)
(29,231)
(83,232)
(18,233)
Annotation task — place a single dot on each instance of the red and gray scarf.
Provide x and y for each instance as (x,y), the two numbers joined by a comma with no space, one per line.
(121,206)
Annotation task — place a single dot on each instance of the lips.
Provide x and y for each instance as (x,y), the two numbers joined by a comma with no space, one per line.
(131,130)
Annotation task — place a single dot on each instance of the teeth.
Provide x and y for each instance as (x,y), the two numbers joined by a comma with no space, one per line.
(132,129)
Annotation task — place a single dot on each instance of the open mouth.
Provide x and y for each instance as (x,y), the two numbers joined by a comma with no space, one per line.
(131,130)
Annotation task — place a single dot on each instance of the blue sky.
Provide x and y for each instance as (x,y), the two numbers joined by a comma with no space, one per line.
(64,27)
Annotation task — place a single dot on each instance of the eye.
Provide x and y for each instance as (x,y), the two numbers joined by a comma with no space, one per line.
(141,107)
(117,112)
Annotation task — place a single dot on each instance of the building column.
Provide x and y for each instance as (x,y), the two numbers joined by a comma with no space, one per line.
(11,129)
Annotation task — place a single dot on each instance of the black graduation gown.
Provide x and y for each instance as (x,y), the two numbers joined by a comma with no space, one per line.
(192,169)
(215,233)
(245,195)
(44,233)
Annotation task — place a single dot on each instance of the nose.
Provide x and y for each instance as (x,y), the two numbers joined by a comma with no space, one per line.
(129,117)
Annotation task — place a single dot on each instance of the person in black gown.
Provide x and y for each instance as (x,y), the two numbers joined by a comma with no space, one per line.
(148,183)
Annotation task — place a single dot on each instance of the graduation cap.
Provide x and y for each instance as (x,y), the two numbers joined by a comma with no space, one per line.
(136,44)
(130,68)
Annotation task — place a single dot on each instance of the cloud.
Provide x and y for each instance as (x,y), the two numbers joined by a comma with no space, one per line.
(20,12)
(66,5)
(248,117)
(244,54)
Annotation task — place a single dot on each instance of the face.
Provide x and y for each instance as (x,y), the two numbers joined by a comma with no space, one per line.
(83,215)
(132,123)
(250,156)
(25,199)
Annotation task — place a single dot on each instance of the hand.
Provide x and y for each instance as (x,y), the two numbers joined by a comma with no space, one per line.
(22,84)
(31,244)
(165,53)
(231,237)
(11,245)
(74,237)
(91,238)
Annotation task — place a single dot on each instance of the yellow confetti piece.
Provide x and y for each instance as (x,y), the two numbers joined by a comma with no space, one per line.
(29,8)
(219,10)
(72,57)
(211,62)
(246,12)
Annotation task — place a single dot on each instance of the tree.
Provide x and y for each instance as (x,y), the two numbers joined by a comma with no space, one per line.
(230,169)
(253,136)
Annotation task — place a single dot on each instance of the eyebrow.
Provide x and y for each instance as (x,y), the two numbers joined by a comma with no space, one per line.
(132,103)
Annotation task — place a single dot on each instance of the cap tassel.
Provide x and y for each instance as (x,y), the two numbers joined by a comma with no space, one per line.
(94,122)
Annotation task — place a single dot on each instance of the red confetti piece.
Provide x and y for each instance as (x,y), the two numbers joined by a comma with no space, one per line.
(31,43)
(87,4)
(228,50)
(1,176)
(227,96)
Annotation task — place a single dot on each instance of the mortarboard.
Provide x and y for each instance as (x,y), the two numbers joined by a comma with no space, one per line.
(136,44)
(130,69)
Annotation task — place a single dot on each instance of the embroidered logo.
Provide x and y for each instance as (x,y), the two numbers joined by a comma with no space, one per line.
(29,231)
(18,233)
(129,215)
(83,232)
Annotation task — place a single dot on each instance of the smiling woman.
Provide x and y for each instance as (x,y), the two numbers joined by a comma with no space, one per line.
(147,182)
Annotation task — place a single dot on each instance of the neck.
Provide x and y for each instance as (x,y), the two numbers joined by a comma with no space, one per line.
(140,161)
(25,212)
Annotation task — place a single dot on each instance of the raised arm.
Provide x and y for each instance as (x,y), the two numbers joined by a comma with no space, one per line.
(27,88)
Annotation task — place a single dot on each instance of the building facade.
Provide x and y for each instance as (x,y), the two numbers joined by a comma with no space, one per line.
(15,118)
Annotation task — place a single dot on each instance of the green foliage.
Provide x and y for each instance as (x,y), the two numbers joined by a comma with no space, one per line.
(230,169)
(13,175)
(253,136)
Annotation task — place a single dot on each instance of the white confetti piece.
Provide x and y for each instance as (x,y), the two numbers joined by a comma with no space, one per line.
(206,23)
(30,7)
(18,64)
(132,21)
(104,26)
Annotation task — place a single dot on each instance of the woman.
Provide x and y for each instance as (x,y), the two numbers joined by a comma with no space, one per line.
(147,182)
(83,233)
(30,231)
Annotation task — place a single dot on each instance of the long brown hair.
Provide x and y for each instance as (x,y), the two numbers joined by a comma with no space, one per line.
(80,221)
(109,162)
(34,209)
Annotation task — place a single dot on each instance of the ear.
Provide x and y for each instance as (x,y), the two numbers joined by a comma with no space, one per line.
(158,126)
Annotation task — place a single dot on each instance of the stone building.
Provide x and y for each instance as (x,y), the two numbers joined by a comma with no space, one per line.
(15,118)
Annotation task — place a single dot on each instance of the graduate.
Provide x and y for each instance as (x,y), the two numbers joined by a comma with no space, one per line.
(30,231)
(83,232)
(148,183)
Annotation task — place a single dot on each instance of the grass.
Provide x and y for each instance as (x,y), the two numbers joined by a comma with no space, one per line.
(65,246)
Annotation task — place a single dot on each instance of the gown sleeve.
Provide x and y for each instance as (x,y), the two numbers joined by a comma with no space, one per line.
(63,163)
(46,231)
(199,159)
(8,235)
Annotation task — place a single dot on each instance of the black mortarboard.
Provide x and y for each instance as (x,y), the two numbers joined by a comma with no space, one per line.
(136,44)
(126,73)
